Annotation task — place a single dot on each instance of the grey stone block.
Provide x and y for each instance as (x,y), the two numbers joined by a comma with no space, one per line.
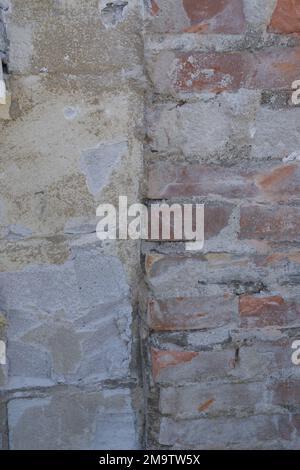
(67,323)
(98,164)
(73,420)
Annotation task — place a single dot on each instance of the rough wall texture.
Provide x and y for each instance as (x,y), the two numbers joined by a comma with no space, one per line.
(156,99)
(69,301)
(219,324)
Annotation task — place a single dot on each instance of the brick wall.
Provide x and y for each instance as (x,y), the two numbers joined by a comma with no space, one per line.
(219,325)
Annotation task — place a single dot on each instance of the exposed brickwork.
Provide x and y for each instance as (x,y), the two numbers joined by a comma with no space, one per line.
(286,17)
(194,16)
(177,367)
(272,68)
(217,216)
(181,313)
(268,310)
(275,223)
(272,181)
(221,16)
(219,324)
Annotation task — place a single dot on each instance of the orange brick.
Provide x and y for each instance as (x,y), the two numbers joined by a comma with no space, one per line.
(274,223)
(182,313)
(272,68)
(286,17)
(166,359)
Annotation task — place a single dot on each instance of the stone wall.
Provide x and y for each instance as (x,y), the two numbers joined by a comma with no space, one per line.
(122,344)
(73,140)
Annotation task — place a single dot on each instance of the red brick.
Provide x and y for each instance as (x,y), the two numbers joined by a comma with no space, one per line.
(194,16)
(219,16)
(154,8)
(280,183)
(185,272)
(192,400)
(167,180)
(178,366)
(286,17)
(168,220)
(251,305)
(270,181)
(182,313)
(273,310)
(165,359)
(216,219)
(273,68)
(275,223)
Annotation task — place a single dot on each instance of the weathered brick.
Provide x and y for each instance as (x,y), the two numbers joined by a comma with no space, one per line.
(154,8)
(167,180)
(191,313)
(211,337)
(275,223)
(201,129)
(220,16)
(286,392)
(193,400)
(272,310)
(261,359)
(216,218)
(269,181)
(178,366)
(181,270)
(183,273)
(186,129)
(286,17)
(279,182)
(251,356)
(192,16)
(272,68)
(252,432)
(165,359)
(275,134)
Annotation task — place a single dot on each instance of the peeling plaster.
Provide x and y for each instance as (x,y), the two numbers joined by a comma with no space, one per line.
(112,12)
